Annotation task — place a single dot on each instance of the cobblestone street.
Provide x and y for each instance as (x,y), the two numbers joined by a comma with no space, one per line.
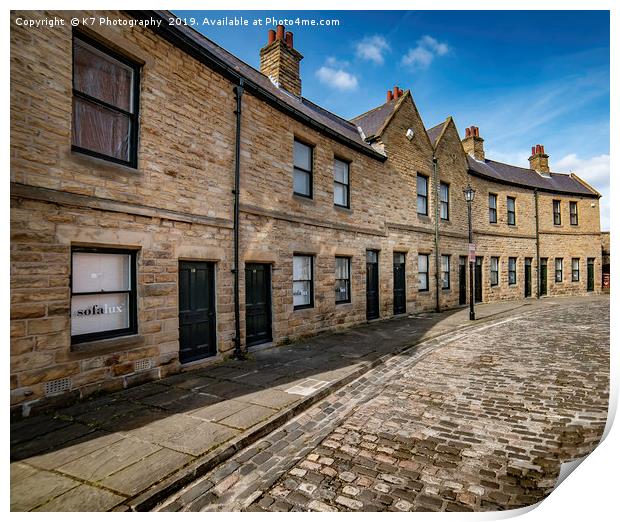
(474,420)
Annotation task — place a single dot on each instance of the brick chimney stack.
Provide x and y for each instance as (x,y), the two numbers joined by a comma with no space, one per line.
(280,61)
(539,161)
(473,143)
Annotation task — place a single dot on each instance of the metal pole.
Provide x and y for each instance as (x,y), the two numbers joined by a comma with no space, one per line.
(238,354)
(472,313)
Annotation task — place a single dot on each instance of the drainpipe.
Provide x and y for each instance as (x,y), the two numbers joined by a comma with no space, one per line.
(437,285)
(537,245)
(238,354)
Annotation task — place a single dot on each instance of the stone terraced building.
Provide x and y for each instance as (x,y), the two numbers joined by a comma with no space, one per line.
(128,246)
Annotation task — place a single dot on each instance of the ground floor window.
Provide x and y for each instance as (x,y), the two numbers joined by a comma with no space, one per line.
(445,272)
(103,293)
(343,280)
(494,271)
(558,269)
(303,282)
(512,270)
(575,269)
(423,272)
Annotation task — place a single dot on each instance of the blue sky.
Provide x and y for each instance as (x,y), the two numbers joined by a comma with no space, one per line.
(522,77)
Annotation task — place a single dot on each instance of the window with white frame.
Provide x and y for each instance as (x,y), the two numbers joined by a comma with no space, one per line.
(575,268)
(558,269)
(444,201)
(422,187)
(303,284)
(512,270)
(492,208)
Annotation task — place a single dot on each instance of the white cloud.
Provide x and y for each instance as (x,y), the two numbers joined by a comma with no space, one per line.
(337,78)
(425,52)
(372,48)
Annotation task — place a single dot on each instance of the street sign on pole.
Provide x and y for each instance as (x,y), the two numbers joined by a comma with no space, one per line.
(472,252)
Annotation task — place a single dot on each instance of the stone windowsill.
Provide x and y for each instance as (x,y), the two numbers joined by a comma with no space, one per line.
(104,346)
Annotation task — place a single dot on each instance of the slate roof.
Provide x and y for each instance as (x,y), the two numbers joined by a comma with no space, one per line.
(372,121)
(307,109)
(434,132)
(502,172)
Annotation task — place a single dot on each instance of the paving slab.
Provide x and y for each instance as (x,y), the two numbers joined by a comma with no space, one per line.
(38,488)
(105,461)
(220,410)
(248,417)
(146,472)
(202,437)
(83,498)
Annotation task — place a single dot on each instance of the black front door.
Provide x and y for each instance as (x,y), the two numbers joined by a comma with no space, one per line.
(543,276)
(528,277)
(462,280)
(257,304)
(400,300)
(372,284)
(590,274)
(478,281)
(196,310)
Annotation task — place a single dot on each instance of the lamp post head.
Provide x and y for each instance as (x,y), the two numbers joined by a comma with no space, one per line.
(469,193)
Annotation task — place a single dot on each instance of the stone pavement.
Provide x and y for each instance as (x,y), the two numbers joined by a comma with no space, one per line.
(130,449)
(469,421)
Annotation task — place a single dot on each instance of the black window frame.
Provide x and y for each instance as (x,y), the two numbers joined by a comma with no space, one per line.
(444,204)
(445,273)
(132,292)
(573,205)
(559,272)
(512,271)
(427,272)
(572,269)
(494,272)
(309,172)
(513,212)
(347,185)
(311,304)
(557,212)
(493,209)
(348,300)
(424,196)
(134,117)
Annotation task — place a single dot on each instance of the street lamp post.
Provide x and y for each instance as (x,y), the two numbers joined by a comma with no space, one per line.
(469,193)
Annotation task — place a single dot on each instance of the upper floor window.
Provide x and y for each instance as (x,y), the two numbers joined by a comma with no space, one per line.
(343,280)
(302,169)
(303,282)
(511,210)
(422,195)
(512,270)
(492,208)
(494,271)
(575,268)
(105,103)
(103,293)
(444,201)
(557,213)
(445,272)
(341,183)
(574,218)
(558,269)
(423,272)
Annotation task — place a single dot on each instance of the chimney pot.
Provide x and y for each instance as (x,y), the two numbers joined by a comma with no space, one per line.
(289,39)
(271,36)
(542,149)
(467,132)
(533,150)
(396,92)
(390,96)
(280,32)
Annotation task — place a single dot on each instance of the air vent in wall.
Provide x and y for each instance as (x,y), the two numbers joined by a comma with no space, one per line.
(142,364)
(57,386)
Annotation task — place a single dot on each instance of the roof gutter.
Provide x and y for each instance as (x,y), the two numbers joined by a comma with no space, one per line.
(529,187)
(176,37)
